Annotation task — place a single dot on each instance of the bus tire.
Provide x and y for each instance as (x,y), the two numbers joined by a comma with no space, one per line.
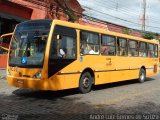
(142,75)
(85,83)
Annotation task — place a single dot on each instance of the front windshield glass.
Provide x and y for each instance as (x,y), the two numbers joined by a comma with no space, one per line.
(29,43)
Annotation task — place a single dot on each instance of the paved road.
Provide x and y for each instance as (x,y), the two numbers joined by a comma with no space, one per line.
(2,73)
(124,100)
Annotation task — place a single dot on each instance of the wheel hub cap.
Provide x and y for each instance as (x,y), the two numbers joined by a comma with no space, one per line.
(86,82)
(142,76)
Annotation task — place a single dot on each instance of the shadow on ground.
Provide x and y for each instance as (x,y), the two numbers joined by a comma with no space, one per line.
(50,95)
(45,94)
(119,84)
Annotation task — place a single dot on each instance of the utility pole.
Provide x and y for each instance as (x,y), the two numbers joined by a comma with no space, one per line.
(144,4)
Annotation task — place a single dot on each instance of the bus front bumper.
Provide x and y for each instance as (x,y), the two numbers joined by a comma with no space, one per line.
(31,83)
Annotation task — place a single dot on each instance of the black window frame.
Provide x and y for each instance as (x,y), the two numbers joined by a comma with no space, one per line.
(142,49)
(117,46)
(137,47)
(156,51)
(148,50)
(57,64)
(115,41)
(66,31)
(98,44)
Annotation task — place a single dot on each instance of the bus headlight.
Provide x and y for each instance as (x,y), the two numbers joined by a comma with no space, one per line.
(38,75)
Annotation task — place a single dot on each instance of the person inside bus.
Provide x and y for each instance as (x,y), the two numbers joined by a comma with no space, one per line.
(86,49)
(90,50)
(142,53)
(104,50)
(61,53)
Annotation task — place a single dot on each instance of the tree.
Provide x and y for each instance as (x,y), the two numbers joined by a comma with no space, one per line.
(126,31)
(149,35)
(157,36)
(71,14)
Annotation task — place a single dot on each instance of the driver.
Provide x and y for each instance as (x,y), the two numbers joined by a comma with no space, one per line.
(61,53)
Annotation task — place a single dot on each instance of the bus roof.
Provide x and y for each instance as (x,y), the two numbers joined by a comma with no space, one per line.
(102,31)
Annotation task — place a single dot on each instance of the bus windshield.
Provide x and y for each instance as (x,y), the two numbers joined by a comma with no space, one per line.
(28,44)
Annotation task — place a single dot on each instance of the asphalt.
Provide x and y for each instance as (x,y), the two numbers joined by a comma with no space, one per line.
(2,73)
(128,100)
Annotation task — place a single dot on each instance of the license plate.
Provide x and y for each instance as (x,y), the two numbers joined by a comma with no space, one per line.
(20,81)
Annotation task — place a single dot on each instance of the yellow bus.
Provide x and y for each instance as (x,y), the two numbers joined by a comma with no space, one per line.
(58,55)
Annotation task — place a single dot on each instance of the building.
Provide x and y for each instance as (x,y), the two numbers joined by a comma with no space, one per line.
(15,11)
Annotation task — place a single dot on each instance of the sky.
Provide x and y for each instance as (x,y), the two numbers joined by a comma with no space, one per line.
(125,12)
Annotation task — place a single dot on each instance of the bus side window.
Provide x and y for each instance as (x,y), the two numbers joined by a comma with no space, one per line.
(63,43)
(89,43)
(133,48)
(66,46)
(142,49)
(150,50)
(156,51)
(121,47)
(108,45)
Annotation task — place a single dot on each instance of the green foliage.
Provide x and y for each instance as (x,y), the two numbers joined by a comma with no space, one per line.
(149,35)
(72,17)
(157,36)
(126,31)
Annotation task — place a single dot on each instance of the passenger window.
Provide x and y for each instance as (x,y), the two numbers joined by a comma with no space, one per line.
(142,49)
(63,44)
(89,43)
(133,48)
(150,50)
(108,46)
(121,47)
(64,48)
(156,51)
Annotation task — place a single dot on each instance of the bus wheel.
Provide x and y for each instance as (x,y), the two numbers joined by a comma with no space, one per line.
(85,83)
(142,75)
